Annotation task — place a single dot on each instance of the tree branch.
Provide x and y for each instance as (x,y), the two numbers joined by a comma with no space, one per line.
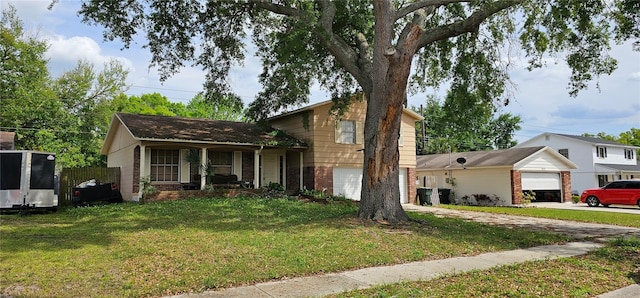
(345,55)
(280,9)
(432,4)
(418,20)
(470,24)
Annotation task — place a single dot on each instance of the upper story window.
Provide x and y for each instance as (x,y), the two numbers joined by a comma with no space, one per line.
(348,132)
(164,165)
(564,152)
(601,151)
(628,153)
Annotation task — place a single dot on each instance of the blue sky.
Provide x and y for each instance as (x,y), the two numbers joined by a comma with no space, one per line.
(539,97)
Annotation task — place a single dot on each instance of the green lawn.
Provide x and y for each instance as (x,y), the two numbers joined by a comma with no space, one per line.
(155,249)
(601,271)
(619,219)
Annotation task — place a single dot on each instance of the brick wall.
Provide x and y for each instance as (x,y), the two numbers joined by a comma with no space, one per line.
(136,171)
(293,171)
(411,185)
(565,176)
(323,178)
(516,187)
(247,166)
(308,178)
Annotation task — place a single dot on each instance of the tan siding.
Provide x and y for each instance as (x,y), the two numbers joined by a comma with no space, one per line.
(408,148)
(543,162)
(294,125)
(323,149)
(326,151)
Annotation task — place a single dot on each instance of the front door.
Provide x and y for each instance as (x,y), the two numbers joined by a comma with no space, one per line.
(273,167)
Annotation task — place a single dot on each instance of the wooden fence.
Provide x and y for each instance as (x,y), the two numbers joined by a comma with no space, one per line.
(72,177)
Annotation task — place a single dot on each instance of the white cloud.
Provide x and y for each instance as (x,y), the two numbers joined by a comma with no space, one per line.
(64,50)
(635,76)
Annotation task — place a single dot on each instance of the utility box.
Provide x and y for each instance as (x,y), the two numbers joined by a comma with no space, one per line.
(27,180)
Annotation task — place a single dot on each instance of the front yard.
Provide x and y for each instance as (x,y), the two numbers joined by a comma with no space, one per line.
(155,249)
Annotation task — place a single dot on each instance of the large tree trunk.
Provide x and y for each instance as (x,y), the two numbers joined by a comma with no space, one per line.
(380,199)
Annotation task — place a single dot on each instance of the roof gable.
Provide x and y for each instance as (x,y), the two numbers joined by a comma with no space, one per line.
(312,107)
(167,128)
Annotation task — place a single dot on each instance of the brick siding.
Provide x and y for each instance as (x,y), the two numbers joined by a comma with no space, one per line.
(516,187)
(136,171)
(565,176)
(411,185)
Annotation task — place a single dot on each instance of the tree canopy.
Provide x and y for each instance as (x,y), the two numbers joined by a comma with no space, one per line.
(67,115)
(157,104)
(382,48)
(463,123)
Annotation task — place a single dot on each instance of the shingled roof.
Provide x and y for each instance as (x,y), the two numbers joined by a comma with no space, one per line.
(493,158)
(166,128)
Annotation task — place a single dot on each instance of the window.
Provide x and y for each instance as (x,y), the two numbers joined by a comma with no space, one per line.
(628,153)
(164,165)
(220,162)
(615,185)
(602,180)
(348,132)
(601,152)
(564,152)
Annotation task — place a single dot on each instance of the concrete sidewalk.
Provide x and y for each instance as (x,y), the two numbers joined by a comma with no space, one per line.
(320,285)
(591,236)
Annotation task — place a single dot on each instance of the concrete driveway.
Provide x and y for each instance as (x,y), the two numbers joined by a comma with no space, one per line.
(582,206)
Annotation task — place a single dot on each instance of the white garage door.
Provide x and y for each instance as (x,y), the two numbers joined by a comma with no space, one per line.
(546,181)
(403,186)
(348,182)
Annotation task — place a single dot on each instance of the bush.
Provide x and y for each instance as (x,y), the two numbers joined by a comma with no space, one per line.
(575,199)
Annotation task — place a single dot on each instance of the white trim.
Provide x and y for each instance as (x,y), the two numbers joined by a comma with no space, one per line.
(301,185)
(237,164)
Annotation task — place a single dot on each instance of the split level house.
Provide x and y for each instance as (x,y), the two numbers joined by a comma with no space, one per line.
(598,161)
(308,148)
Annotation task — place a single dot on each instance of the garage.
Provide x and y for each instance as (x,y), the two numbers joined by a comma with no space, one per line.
(500,174)
(348,182)
(547,186)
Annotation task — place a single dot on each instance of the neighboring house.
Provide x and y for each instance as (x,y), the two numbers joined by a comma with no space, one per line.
(307,148)
(599,161)
(505,174)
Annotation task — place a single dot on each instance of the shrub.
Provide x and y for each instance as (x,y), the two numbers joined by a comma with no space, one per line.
(575,199)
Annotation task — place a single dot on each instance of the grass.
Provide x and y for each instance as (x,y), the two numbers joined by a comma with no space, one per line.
(620,219)
(604,270)
(155,249)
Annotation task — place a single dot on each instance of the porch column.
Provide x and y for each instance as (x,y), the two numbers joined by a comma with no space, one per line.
(203,162)
(256,168)
(143,158)
(301,170)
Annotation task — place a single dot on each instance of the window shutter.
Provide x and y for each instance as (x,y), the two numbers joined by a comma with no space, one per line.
(147,162)
(338,132)
(185,167)
(359,132)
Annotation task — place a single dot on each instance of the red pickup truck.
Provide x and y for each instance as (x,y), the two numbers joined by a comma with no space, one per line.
(623,192)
